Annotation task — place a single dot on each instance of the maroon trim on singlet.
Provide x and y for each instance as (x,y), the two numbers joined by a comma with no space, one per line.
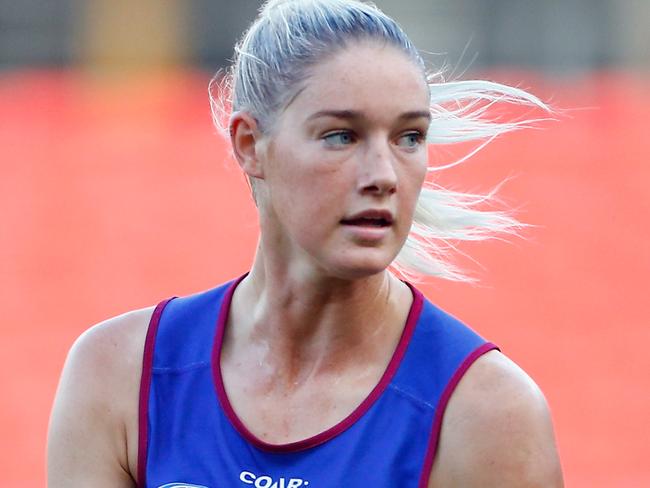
(145,386)
(442,405)
(391,369)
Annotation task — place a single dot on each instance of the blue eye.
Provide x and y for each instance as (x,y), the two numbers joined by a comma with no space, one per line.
(339,138)
(410,140)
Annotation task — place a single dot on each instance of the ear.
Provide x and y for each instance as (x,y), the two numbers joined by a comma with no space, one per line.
(245,138)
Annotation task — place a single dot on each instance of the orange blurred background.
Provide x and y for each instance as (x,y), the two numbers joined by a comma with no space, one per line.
(116,192)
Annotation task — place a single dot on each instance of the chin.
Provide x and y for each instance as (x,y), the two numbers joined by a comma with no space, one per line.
(361,265)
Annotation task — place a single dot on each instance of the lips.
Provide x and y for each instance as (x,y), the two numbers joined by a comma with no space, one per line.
(370,218)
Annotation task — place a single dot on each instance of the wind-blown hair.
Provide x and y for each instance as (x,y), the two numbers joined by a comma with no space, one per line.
(272,63)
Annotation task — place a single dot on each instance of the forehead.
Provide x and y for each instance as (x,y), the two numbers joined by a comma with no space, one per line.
(377,80)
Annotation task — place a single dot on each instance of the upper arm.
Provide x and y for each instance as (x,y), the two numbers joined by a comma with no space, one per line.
(91,438)
(497,431)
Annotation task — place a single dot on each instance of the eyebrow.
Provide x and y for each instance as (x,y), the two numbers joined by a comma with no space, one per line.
(353,114)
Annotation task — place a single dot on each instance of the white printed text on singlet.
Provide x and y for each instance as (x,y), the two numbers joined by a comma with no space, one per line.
(268,482)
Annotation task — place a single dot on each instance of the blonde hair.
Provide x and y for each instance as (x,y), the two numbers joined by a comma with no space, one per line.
(272,60)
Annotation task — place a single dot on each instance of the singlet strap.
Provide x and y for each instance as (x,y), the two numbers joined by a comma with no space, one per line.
(145,387)
(434,436)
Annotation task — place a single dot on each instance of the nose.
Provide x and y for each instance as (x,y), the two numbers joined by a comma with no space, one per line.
(377,172)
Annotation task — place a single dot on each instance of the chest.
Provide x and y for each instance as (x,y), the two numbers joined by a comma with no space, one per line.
(278,413)
(194,438)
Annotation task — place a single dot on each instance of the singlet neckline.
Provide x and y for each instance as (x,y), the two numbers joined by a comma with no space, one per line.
(331,432)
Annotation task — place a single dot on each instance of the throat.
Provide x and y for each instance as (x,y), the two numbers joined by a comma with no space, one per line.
(296,337)
(286,381)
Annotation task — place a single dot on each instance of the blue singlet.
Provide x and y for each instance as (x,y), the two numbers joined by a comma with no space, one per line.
(190,436)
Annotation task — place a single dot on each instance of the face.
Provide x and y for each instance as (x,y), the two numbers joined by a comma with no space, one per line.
(343,167)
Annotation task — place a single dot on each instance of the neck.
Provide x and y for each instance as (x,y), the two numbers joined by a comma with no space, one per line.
(300,324)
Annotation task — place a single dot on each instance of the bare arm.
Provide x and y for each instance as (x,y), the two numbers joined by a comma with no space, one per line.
(497,432)
(92,439)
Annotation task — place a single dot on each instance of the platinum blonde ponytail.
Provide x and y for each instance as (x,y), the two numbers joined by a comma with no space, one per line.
(460,113)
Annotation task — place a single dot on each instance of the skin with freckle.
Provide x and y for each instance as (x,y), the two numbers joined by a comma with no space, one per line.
(309,178)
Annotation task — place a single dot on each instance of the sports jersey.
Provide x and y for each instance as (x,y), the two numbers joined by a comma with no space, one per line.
(190,436)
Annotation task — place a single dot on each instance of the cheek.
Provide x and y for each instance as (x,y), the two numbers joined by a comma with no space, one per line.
(421,173)
(413,179)
(411,185)
(305,190)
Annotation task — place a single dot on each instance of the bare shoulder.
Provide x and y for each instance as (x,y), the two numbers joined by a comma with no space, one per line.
(497,431)
(116,343)
(92,439)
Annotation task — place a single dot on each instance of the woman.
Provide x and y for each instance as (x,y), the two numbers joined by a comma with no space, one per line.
(319,367)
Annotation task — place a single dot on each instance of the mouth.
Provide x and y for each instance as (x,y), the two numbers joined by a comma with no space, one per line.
(365,222)
(371,219)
